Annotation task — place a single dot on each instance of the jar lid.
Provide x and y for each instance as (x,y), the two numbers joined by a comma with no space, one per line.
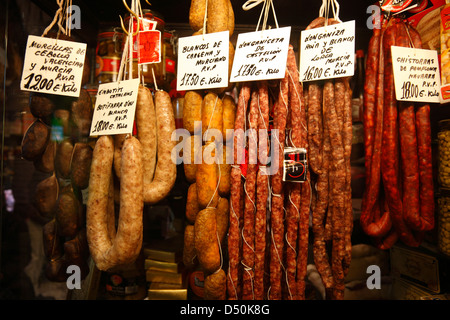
(444,124)
(444,192)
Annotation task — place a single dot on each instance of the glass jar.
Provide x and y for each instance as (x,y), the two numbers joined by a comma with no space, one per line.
(170,58)
(108,55)
(444,153)
(126,282)
(443,221)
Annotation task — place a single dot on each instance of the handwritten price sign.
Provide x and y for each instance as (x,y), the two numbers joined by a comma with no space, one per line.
(115,108)
(203,61)
(261,55)
(53,66)
(327,52)
(416,74)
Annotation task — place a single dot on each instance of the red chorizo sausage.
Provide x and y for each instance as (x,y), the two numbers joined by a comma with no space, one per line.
(262,191)
(390,157)
(248,231)
(233,283)
(277,217)
(426,194)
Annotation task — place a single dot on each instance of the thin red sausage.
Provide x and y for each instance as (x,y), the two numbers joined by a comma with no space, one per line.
(293,202)
(376,227)
(248,231)
(262,191)
(277,217)
(390,157)
(423,126)
(233,283)
(410,161)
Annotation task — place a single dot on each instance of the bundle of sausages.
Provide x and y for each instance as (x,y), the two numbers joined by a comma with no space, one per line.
(207,169)
(269,217)
(398,202)
(207,115)
(58,198)
(143,170)
(330,142)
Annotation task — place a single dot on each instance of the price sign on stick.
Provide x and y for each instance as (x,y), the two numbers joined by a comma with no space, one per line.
(327,52)
(261,55)
(115,108)
(416,74)
(53,66)
(203,61)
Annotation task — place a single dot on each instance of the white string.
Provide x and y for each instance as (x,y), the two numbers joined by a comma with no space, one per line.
(221,255)
(237,221)
(154,79)
(299,100)
(205,19)
(276,251)
(57,17)
(267,4)
(324,10)
(248,269)
(215,191)
(212,114)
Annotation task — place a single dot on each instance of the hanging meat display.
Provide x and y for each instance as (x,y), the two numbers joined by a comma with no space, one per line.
(398,201)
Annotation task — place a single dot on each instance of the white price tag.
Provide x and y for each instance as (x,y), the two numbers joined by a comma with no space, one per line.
(203,61)
(115,108)
(261,55)
(327,52)
(53,66)
(416,74)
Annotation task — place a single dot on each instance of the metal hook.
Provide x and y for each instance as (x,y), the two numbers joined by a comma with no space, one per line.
(134,14)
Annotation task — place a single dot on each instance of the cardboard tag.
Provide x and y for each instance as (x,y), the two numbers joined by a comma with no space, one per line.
(53,66)
(294,164)
(115,108)
(416,74)
(149,45)
(144,25)
(261,55)
(203,61)
(327,52)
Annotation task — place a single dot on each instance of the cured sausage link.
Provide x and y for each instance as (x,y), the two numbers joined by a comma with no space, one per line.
(370,117)
(338,188)
(425,221)
(97,204)
(380,226)
(389,163)
(262,190)
(409,159)
(234,254)
(395,35)
(425,169)
(127,242)
(347,140)
(277,216)
(248,231)
(166,170)
(294,189)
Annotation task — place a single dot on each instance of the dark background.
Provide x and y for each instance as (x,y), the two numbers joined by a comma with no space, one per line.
(295,13)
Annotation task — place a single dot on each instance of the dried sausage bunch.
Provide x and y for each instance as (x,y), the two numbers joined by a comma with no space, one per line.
(330,141)
(130,171)
(58,198)
(269,217)
(398,201)
(207,117)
